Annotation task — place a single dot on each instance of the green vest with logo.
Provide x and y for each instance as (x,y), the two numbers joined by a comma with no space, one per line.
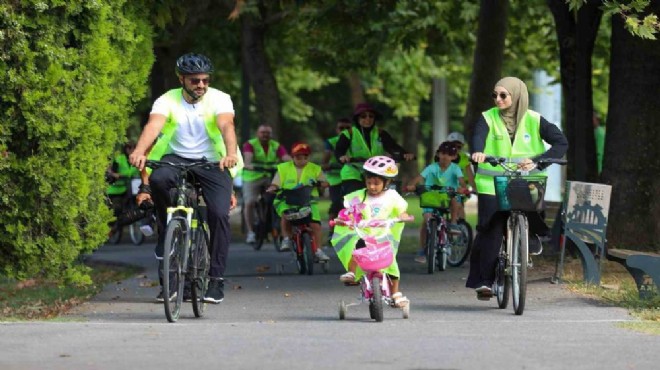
(261,159)
(334,174)
(124,169)
(527,143)
(176,102)
(359,149)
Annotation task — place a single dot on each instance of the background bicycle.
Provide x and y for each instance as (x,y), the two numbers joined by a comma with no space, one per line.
(445,244)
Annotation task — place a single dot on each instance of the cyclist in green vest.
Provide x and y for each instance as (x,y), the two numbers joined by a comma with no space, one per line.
(261,151)
(290,175)
(508,130)
(120,173)
(364,141)
(193,122)
(332,173)
(463,161)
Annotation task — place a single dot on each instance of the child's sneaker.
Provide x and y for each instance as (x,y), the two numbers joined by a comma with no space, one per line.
(347,278)
(321,256)
(421,256)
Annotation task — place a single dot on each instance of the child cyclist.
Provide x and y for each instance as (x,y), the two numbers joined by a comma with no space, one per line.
(377,202)
(290,175)
(443,173)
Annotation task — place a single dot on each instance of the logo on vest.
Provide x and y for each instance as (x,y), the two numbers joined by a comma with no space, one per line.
(527,138)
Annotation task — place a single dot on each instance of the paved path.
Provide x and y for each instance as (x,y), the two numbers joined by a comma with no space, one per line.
(288,321)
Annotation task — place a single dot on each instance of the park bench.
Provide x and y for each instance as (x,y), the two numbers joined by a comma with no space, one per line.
(643,266)
(584,223)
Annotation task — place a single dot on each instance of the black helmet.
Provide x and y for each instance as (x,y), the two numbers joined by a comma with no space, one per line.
(191,63)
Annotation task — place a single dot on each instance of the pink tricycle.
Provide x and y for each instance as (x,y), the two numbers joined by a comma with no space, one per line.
(376,256)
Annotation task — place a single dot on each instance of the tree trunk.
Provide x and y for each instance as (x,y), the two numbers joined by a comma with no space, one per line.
(260,74)
(488,59)
(632,153)
(357,92)
(576,43)
(410,139)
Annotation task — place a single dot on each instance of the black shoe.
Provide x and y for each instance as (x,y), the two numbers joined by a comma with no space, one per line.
(161,298)
(535,247)
(187,294)
(215,292)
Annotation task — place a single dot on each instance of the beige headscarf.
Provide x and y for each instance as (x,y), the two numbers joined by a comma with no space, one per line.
(520,103)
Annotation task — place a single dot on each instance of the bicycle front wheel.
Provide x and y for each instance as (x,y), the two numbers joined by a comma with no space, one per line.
(431,242)
(200,263)
(136,235)
(308,252)
(173,268)
(461,244)
(519,263)
(260,227)
(376,304)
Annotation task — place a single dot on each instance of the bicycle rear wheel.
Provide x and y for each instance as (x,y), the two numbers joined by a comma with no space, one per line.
(519,264)
(461,245)
(173,268)
(431,242)
(201,262)
(502,282)
(376,303)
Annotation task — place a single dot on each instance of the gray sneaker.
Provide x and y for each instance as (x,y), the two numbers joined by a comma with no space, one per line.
(321,256)
(287,244)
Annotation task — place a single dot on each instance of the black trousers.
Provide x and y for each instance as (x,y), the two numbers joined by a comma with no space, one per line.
(216,190)
(349,186)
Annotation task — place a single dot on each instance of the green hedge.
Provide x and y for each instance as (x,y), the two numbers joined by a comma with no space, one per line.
(72,73)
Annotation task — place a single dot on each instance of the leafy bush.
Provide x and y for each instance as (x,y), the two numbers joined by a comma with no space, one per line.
(73,71)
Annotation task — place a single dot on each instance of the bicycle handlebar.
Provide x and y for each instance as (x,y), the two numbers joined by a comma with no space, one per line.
(181,166)
(370,223)
(494,161)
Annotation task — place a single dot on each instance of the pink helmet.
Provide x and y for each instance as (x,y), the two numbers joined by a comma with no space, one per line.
(381,166)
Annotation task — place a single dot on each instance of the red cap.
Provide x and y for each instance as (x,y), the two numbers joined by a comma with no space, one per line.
(300,148)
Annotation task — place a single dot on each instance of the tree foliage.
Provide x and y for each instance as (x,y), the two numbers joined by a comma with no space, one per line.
(73,71)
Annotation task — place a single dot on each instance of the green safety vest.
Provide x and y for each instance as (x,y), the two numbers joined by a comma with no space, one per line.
(359,149)
(262,159)
(463,160)
(527,143)
(289,180)
(333,175)
(162,144)
(123,169)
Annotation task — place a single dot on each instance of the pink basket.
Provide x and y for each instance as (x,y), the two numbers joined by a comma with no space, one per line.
(374,257)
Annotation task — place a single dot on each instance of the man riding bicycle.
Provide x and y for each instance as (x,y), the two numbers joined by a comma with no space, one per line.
(266,153)
(191,123)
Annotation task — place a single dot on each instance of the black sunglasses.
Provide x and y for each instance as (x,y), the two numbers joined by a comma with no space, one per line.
(501,95)
(196,81)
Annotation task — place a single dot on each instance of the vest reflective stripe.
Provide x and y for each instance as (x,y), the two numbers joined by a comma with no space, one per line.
(333,175)
(262,159)
(175,96)
(527,143)
(359,149)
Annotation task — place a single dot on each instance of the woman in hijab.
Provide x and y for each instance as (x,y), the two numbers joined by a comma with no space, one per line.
(508,130)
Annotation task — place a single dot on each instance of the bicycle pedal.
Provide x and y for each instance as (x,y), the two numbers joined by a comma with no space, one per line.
(352,284)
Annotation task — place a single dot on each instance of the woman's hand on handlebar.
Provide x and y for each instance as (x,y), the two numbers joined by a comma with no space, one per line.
(345,159)
(408,156)
(478,157)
